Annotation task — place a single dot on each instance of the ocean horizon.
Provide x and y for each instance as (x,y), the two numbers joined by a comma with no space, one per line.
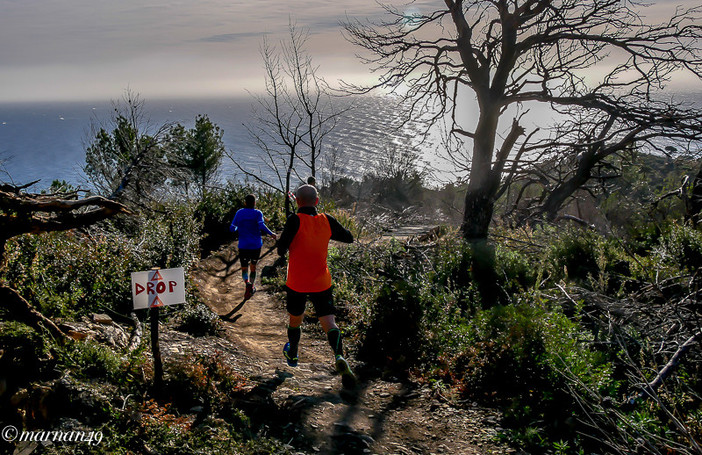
(46,141)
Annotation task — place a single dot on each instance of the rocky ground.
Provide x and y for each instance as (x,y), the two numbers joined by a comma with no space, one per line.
(307,404)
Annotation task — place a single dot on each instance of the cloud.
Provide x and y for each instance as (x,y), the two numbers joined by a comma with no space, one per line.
(79,48)
(230,37)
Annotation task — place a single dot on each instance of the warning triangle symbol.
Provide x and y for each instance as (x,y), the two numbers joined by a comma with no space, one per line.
(156,276)
(156,303)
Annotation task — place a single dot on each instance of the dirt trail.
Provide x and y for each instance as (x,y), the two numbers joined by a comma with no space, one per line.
(308,404)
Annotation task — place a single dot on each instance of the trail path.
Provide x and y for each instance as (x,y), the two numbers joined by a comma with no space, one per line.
(307,405)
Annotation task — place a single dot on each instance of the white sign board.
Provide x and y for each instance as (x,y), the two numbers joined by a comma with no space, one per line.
(155,288)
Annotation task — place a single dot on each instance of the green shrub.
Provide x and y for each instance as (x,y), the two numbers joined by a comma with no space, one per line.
(91,360)
(410,313)
(25,355)
(516,272)
(589,259)
(198,320)
(681,245)
(500,340)
(69,274)
(395,334)
(512,356)
(575,254)
(66,275)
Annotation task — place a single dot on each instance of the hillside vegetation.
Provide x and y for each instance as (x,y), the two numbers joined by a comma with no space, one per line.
(595,352)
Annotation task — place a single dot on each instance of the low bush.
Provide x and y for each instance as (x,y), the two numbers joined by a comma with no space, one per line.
(587,258)
(200,379)
(90,360)
(198,320)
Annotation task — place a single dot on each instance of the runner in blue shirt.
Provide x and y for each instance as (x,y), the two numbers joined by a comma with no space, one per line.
(249,224)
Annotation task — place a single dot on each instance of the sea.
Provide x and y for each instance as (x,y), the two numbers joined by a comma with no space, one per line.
(46,141)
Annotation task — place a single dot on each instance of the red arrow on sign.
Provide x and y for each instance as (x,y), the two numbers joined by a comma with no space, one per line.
(156,276)
(156,303)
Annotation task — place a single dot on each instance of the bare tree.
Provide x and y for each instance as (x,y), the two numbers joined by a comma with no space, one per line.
(580,152)
(294,116)
(597,55)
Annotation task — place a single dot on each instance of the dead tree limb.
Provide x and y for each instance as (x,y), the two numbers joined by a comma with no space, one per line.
(651,388)
(33,214)
(25,312)
(22,213)
(135,339)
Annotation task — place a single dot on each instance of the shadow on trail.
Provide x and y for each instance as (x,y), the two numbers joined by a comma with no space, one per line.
(281,421)
(227,265)
(266,388)
(347,440)
(294,414)
(398,402)
(289,420)
(232,316)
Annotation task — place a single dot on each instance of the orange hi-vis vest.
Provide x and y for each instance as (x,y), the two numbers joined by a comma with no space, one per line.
(307,267)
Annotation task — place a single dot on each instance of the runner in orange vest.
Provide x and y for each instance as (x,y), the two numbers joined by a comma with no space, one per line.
(306,235)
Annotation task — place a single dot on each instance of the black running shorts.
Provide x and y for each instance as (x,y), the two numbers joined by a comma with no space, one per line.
(249,255)
(323,302)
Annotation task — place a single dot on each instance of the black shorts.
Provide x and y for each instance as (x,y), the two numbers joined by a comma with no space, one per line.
(323,302)
(249,255)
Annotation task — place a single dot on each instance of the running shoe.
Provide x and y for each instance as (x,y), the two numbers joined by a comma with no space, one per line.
(253,289)
(249,291)
(292,361)
(348,379)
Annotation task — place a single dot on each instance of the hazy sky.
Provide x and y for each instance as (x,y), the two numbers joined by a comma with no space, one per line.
(94,49)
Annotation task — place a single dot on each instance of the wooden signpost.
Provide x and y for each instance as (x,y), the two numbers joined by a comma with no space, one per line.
(153,289)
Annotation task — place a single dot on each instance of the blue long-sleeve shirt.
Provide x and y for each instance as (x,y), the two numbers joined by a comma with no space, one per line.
(249,224)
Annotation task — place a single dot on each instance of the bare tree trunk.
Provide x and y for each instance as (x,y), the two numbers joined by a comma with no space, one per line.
(479,200)
(558,196)
(478,209)
(313,147)
(479,206)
